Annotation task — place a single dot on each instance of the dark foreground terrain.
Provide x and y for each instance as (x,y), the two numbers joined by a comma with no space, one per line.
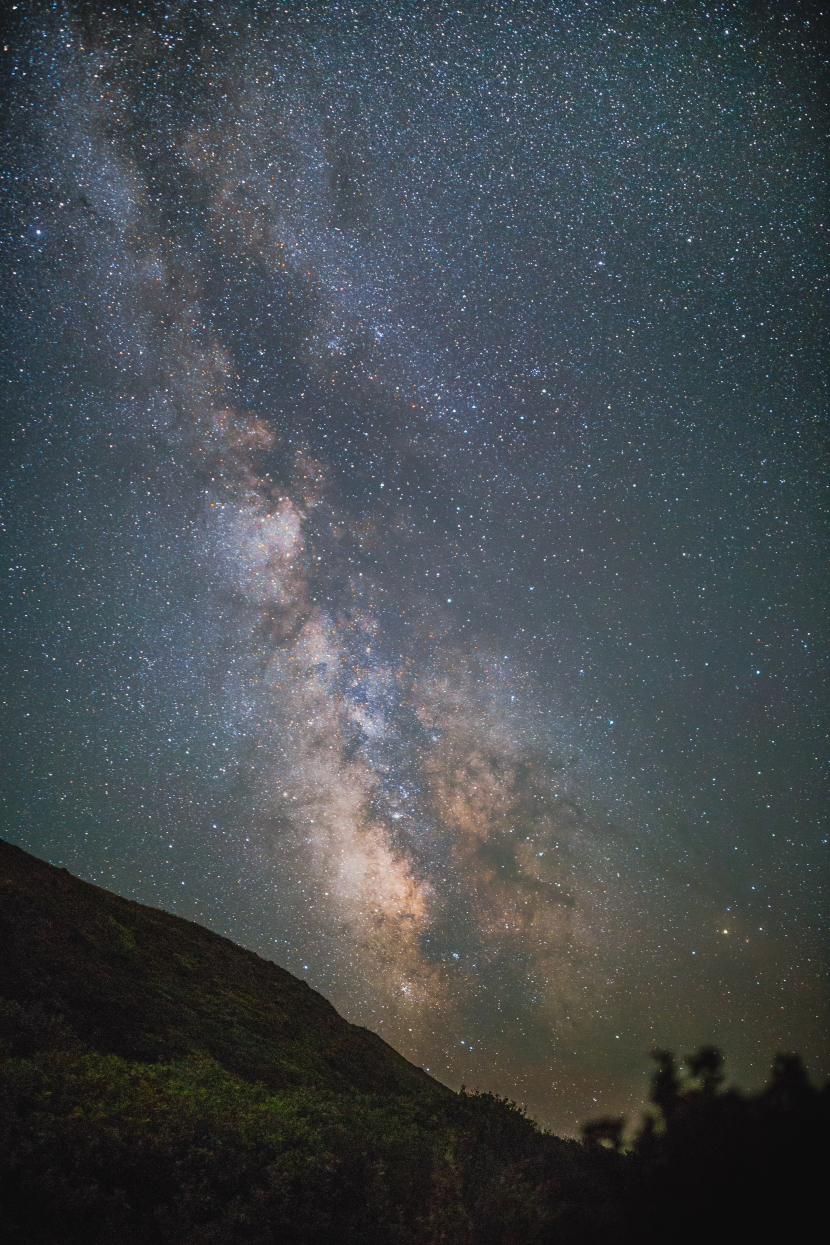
(159,1084)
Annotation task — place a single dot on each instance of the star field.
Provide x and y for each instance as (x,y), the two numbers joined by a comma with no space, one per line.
(414,511)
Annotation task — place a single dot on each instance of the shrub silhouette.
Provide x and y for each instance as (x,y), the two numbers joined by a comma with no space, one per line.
(606,1131)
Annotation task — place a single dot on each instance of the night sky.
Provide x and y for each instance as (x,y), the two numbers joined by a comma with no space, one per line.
(413,509)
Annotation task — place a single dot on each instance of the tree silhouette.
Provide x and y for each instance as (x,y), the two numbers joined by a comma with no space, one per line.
(665,1084)
(706,1067)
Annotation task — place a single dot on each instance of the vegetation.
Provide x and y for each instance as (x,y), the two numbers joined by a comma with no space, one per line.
(716,1164)
(159,1084)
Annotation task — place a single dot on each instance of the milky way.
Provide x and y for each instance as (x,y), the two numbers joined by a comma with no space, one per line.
(413,511)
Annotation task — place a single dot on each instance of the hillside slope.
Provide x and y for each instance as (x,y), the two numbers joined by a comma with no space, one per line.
(161,1086)
(137,982)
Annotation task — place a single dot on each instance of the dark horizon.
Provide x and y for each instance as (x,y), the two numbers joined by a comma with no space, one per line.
(413,492)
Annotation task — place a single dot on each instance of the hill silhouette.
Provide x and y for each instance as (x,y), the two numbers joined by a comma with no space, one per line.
(137,982)
(161,1086)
